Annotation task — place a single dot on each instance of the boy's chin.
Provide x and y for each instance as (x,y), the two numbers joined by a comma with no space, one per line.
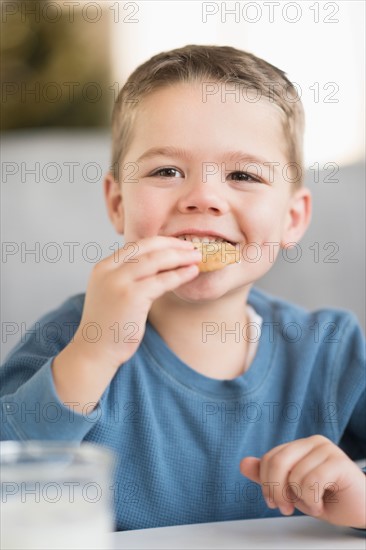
(195,296)
(206,287)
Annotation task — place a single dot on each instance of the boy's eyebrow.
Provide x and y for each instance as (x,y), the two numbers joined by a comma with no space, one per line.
(168,151)
(240,156)
(232,156)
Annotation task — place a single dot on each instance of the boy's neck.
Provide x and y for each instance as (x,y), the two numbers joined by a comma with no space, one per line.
(170,312)
(204,335)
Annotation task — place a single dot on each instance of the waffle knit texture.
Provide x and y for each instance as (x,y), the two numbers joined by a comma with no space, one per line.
(179,436)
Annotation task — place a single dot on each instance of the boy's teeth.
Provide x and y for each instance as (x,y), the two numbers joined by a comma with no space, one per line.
(205,239)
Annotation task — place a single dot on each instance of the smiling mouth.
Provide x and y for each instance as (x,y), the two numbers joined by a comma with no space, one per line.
(205,239)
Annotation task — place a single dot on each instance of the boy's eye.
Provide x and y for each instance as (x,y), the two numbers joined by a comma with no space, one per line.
(244,176)
(167,173)
(170,172)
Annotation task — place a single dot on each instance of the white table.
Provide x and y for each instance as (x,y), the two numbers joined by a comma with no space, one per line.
(295,533)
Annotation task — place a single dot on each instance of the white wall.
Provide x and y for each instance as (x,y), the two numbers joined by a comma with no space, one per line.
(320,45)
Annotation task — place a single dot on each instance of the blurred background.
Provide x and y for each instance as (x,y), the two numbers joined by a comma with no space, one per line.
(63,64)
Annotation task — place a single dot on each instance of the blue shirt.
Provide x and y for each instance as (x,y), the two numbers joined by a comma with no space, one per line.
(179,436)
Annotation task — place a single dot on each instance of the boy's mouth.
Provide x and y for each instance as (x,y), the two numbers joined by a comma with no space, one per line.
(204,239)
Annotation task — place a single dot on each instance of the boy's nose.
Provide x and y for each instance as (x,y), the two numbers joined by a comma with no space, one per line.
(203,197)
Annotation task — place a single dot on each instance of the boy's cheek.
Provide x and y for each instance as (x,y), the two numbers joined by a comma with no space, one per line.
(140,224)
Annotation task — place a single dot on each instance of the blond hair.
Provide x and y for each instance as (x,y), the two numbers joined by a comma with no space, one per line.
(221,65)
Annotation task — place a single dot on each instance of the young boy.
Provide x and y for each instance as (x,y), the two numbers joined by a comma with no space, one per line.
(220,401)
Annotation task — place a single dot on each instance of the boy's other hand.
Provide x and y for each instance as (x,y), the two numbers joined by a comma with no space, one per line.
(313,475)
(121,290)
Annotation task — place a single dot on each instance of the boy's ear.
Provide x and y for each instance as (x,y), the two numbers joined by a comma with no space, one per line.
(114,202)
(298,217)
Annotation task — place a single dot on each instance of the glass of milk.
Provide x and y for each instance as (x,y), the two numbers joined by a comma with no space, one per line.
(55,495)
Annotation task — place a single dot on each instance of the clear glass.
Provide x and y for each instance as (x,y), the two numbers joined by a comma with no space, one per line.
(55,495)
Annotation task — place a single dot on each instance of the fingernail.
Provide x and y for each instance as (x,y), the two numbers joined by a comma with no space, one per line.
(269,503)
(285,509)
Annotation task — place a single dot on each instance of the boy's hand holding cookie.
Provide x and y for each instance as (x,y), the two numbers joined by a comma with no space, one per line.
(313,475)
(122,288)
(120,293)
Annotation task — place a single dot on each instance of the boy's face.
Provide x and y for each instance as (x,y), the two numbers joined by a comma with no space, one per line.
(200,188)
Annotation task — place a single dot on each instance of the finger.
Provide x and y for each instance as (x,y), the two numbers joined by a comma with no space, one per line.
(154,287)
(320,486)
(159,242)
(285,456)
(157,262)
(249,467)
(276,466)
(305,481)
(130,252)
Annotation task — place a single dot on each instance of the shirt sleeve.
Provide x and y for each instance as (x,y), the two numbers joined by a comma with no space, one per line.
(349,385)
(353,375)
(30,406)
(358,528)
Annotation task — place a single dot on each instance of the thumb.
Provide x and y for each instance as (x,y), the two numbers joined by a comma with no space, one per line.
(249,467)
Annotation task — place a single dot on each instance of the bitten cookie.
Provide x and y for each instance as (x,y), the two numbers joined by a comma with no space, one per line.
(216,255)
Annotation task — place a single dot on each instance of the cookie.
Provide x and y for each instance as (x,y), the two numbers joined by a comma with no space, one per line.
(216,255)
